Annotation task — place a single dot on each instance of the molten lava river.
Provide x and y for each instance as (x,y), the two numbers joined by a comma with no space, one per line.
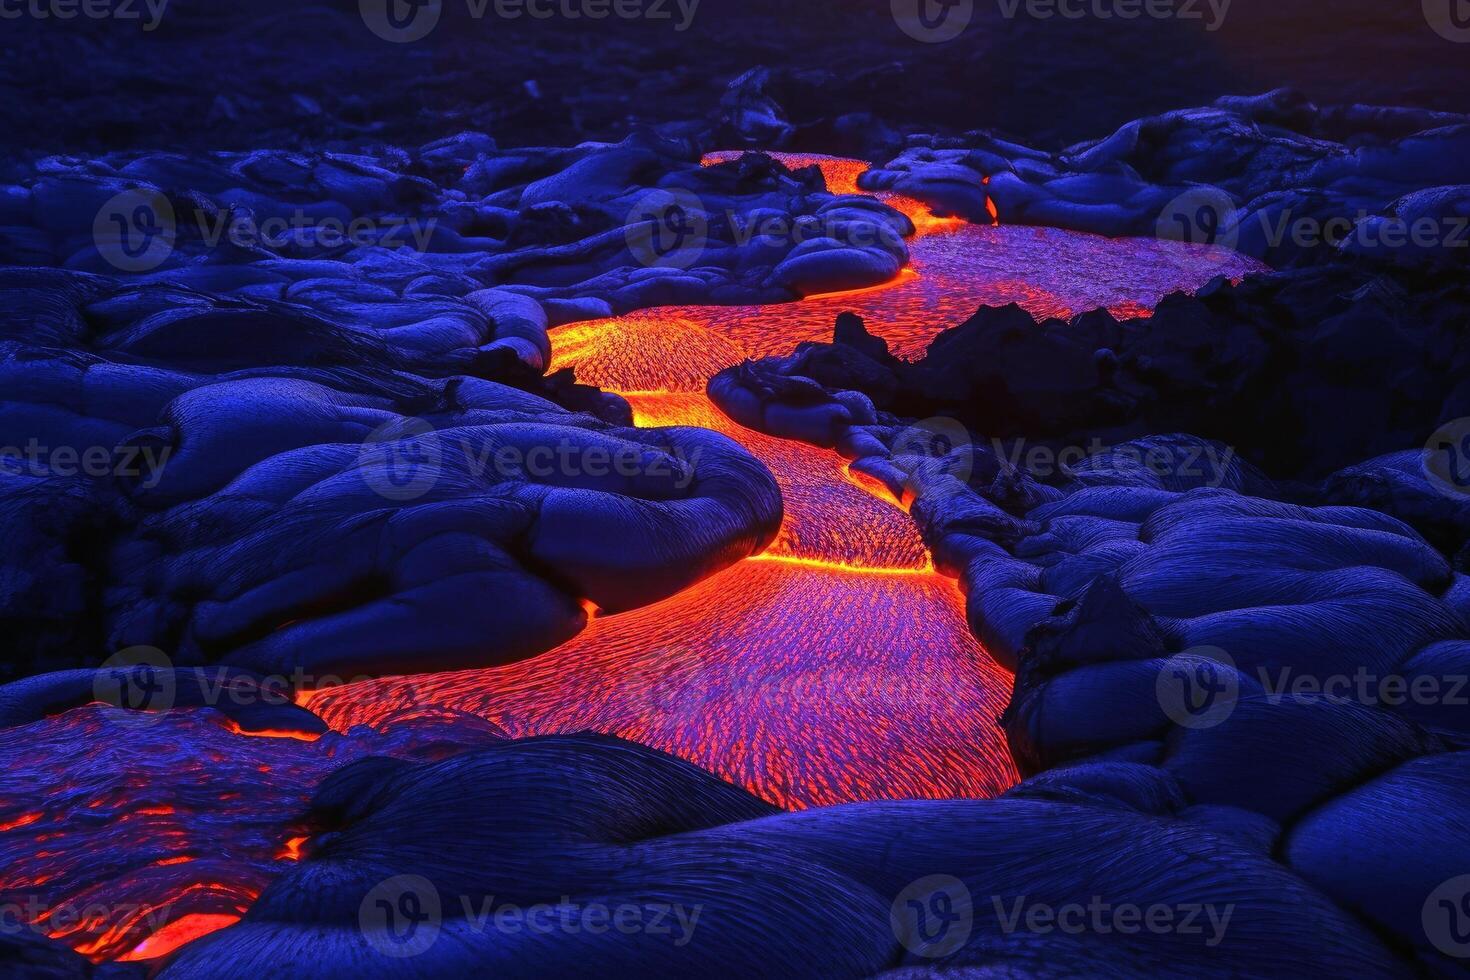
(836,666)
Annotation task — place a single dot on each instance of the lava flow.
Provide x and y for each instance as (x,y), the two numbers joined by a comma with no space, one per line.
(836,666)
(126,834)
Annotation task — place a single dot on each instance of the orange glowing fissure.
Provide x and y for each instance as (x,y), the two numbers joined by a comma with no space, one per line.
(837,666)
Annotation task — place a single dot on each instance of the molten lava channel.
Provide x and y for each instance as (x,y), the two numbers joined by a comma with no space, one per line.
(836,666)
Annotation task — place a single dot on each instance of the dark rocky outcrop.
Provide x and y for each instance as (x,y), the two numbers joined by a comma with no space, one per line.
(1304,372)
(585,822)
(1273,176)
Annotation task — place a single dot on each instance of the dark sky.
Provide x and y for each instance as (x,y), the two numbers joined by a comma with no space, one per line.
(234,75)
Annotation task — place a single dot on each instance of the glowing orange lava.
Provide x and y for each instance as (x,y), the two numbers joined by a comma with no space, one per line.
(837,666)
(291,850)
(178,932)
(806,683)
(841,175)
(159,828)
(828,518)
